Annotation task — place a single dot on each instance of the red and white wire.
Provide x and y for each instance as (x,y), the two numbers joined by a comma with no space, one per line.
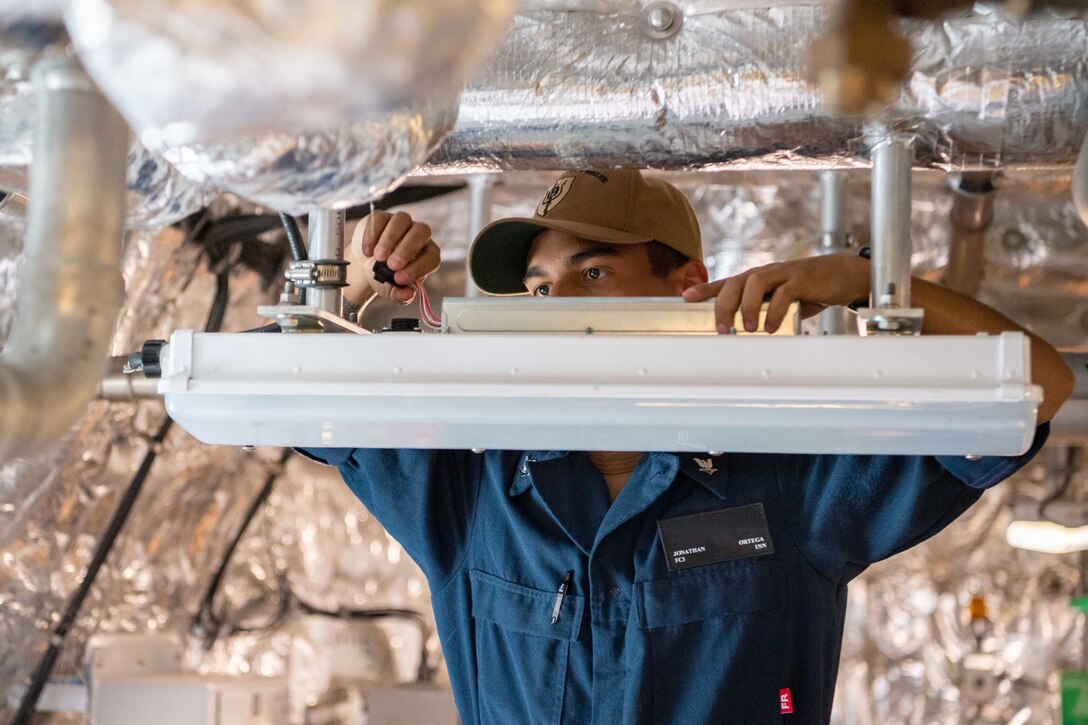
(426,312)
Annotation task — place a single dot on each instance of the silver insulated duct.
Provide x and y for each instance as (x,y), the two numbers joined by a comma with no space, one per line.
(71,288)
(721,84)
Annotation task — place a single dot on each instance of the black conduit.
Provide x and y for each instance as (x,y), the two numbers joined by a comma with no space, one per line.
(294,237)
(206,617)
(208,623)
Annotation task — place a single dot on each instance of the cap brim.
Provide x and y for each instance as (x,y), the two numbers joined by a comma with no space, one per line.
(498,257)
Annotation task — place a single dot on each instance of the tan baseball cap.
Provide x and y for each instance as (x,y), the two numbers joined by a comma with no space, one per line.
(613,206)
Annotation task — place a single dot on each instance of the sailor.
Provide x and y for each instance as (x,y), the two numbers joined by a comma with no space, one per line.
(661,587)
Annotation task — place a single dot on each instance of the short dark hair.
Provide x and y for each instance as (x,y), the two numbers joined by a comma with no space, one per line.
(664,259)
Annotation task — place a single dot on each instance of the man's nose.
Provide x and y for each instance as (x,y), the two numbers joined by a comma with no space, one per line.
(567,289)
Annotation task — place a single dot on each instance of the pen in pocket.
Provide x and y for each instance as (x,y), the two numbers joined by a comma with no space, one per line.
(563,587)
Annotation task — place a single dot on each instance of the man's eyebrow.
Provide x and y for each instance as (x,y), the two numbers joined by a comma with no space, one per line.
(601,251)
(533,272)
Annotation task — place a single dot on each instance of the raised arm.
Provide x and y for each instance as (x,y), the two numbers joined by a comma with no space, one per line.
(839,279)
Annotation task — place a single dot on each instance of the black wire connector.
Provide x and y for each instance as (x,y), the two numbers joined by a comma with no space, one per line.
(384,275)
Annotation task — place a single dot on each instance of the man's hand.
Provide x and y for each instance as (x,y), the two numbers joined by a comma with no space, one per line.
(839,279)
(815,282)
(405,245)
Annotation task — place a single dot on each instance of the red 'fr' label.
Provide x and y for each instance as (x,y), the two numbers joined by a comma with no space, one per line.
(785,701)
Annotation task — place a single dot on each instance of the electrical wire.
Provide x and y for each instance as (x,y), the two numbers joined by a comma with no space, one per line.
(206,619)
(45,665)
(426,312)
(210,624)
(425,671)
(294,237)
(44,668)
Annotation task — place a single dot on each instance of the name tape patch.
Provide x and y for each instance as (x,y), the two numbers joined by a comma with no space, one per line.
(715,536)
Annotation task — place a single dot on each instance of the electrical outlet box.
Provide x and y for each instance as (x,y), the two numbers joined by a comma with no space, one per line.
(189,699)
(419,704)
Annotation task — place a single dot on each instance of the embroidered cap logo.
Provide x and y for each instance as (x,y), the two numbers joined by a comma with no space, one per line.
(554,195)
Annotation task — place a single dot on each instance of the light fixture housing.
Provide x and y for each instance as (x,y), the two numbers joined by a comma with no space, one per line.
(1054,527)
(1046,537)
(947,395)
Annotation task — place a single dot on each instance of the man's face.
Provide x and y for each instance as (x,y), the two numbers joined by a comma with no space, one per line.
(561,265)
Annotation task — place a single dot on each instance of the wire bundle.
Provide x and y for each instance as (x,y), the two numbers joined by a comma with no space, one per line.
(426,312)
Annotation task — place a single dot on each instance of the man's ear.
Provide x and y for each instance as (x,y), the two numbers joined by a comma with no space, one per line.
(689,274)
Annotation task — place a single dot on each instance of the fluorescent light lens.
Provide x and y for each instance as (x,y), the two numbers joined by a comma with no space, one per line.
(1047,537)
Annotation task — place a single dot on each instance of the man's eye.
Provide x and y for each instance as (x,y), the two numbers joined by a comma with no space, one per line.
(593,273)
(541,291)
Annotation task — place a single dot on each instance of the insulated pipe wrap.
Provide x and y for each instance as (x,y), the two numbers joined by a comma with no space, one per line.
(578,84)
(158,195)
(72,288)
(207,73)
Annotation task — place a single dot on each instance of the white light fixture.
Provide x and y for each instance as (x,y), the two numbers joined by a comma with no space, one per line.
(595,315)
(829,394)
(1052,527)
(1047,537)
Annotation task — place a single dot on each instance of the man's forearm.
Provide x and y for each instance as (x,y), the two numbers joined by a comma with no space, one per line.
(951,313)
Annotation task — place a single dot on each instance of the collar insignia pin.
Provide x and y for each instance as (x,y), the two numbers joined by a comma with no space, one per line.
(706,465)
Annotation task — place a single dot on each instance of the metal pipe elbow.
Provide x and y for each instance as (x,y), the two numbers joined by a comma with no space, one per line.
(70,289)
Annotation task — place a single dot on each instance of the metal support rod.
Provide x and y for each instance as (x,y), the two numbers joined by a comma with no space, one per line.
(1071,420)
(833,209)
(118,385)
(71,288)
(833,240)
(480,213)
(326,243)
(891,245)
(1077,360)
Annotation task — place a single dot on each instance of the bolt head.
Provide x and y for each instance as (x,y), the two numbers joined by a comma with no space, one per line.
(660,18)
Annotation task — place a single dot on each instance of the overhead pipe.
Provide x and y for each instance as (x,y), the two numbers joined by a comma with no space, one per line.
(1071,420)
(1077,360)
(480,213)
(71,288)
(834,239)
(972,214)
(1080,182)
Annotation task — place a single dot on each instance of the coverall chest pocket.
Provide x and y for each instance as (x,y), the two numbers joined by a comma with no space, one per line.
(714,637)
(521,657)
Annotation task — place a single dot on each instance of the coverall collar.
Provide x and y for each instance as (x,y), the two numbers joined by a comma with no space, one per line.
(574,493)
